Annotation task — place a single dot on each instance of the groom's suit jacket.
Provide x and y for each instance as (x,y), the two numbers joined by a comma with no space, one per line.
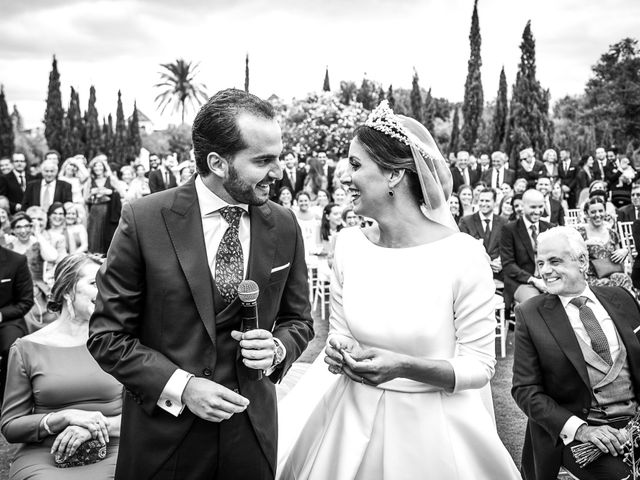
(155,313)
(550,379)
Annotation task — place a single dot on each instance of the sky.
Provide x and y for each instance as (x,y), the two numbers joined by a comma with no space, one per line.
(120,45)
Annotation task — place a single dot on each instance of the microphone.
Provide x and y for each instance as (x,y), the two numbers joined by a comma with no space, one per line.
(248,292)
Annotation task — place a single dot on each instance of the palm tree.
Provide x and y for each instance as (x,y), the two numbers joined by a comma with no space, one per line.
(178,82)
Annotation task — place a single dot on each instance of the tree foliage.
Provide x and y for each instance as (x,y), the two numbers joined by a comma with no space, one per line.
(246,78)
(367,94)
(107,136)
(321,123)
(500,114)
(179,86)
(429,111)
(416,98)
(92,134)
(6,127)
(119,152)
(348,92)
(529,124)
(571,131)
(134,142)
(454,140)
(473,95)
(54,114)
(612,96)
(326,87)
(73,128)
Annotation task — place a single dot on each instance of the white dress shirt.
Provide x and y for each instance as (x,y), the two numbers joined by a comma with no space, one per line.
(568,432)
(214,227)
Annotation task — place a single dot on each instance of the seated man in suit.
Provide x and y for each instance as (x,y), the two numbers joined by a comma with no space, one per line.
(553,211)
(499,172)
(518,245)
(530,168)
(630,213)
(576,370)
(486,226)
(16,299)
(44,192)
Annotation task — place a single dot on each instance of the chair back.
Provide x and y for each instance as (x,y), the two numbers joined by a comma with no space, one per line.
(626,238)
(573,217)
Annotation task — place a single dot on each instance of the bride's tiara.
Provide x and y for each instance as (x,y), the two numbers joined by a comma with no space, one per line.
(385,121)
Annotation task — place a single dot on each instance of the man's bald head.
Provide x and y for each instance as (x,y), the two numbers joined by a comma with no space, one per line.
(533,205)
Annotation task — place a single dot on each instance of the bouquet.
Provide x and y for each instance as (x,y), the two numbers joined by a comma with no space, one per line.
(585,453)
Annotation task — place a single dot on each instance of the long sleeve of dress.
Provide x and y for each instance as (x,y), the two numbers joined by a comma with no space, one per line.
(474,321)
(337,322)
(18,423)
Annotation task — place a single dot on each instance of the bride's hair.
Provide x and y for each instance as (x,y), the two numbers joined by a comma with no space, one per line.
(390,154)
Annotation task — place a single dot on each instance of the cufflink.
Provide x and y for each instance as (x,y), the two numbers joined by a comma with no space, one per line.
(168,403)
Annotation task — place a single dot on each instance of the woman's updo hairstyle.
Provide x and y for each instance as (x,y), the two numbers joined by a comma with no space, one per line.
(66,277)
(390,154)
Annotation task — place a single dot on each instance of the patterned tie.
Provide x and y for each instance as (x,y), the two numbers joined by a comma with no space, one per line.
(599,341)
(534,237)
(487,232)
(22,181)
(229,259)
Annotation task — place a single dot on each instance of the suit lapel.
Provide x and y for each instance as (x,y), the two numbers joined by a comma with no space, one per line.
(478,225)
(526,240)
(493,238)
(185,230)
(625,322)
(554,315)
(263,245)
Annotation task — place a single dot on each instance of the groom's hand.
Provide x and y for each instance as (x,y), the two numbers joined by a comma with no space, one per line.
(212,401)
(256,347)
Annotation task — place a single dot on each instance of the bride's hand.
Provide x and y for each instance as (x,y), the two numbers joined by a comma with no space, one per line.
(372,366)
(333,352)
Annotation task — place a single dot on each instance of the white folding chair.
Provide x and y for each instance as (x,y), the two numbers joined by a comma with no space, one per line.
(573,217)
(626,238)
(501,327)
(321,295)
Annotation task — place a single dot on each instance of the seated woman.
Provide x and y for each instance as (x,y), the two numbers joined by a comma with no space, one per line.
(57,396)
(505,207)
(465,195)
(604,248)
(454,207)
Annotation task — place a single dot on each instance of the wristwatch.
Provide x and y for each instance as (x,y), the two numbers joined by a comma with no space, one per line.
(279,354)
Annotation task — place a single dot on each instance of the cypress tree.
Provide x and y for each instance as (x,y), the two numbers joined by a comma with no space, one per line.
(135,142)
(74,128)
(246,74)
(454,141)
(6,127)
(500,115)
(429,111)
(473,95)
(325,86)
(529,123)
(107,136)
(118,155)
(391,98)
(93,137)
(416,98)
(16,120)
(54,114)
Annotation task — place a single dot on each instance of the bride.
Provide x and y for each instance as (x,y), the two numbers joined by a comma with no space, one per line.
(412,326)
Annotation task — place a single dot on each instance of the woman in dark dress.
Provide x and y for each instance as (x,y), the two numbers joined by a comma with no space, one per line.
(103,203)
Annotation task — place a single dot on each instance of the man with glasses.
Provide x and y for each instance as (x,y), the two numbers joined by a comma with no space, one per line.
(14,183)
(629,213)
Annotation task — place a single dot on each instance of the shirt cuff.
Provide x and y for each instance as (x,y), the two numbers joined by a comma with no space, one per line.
(272,368)
(171,397)
(568,432)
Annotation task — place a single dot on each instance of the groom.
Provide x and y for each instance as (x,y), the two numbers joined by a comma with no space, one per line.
(167,314)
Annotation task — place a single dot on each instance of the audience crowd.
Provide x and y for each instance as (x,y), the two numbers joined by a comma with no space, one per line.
(71,207)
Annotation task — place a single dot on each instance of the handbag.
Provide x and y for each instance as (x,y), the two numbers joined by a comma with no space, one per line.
(89,452)
(605,267)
